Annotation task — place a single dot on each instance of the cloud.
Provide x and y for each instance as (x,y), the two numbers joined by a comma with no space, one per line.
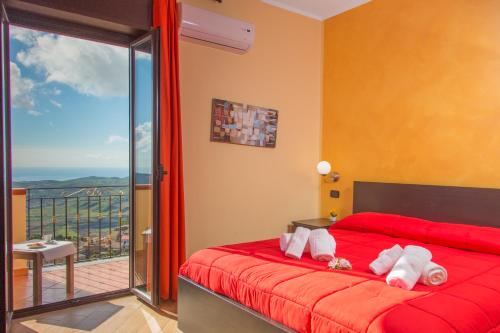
(55,103)
(20,89)
(143,147)
(25,36)
(143,55)
(90,68)
(50,91)
(116,138)
(143,137)
(34,113)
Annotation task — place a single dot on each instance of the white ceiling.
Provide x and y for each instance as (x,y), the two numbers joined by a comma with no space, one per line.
(317,9)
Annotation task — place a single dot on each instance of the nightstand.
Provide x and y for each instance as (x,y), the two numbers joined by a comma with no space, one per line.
(311,224)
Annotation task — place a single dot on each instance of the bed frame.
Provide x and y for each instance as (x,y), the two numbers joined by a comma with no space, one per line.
(202,311)
(465,205)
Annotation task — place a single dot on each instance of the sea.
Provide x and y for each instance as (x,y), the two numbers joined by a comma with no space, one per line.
(64,173)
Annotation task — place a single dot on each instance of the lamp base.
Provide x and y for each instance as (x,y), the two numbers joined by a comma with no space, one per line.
(332,177)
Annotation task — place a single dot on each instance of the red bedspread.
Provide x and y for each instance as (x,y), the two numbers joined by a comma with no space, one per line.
(308,297)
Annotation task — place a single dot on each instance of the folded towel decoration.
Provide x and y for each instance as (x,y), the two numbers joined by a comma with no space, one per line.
(409,267)
(322,245)
(285,239)
(433,275)
(297,243)
(386,260)
(340,264)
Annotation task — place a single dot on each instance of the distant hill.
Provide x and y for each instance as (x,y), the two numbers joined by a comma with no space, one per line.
(99,208)
(82,182)
(80,209)
(75,183)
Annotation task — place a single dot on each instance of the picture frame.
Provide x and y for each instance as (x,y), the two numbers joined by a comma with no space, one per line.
(242,124)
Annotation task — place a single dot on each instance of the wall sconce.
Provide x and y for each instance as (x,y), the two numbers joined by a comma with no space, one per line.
(324,168)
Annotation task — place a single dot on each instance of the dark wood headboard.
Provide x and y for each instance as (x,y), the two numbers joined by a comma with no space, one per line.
(466,205)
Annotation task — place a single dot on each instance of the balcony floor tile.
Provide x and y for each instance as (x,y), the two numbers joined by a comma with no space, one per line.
(91,278)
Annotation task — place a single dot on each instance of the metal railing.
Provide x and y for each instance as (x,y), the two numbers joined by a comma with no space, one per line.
(94,218)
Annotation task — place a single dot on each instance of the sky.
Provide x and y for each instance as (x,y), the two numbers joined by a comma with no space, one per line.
(70,102)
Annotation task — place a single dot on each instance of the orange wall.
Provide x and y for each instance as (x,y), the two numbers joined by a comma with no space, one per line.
(19,226)
(239,193)
(412,95)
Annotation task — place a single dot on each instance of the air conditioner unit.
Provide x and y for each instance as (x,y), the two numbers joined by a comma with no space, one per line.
(204,26)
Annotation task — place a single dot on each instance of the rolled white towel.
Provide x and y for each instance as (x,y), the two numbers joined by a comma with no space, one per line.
(297,243)
(285,239)
(433,275)
(386,260)
(322,245)
(409,267)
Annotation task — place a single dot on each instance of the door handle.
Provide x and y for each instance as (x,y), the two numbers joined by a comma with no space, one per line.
(161,172)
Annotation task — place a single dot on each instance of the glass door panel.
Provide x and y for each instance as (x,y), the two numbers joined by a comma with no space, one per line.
(5,173)
(144,161)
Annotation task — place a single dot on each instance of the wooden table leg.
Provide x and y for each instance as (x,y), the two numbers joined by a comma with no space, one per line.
(70,275)
(37,279)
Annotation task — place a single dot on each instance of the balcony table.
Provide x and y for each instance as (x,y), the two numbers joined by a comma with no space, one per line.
(50,252)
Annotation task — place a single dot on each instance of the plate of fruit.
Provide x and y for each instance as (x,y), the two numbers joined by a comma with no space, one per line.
(37,245)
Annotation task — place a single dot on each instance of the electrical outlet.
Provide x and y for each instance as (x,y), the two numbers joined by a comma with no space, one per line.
(335,194)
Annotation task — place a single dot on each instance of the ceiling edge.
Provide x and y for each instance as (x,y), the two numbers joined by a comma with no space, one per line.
(293,9)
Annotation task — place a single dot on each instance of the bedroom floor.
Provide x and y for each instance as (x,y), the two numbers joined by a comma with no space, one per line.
(122,315)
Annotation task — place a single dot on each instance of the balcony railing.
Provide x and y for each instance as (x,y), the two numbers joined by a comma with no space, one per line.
(95,219)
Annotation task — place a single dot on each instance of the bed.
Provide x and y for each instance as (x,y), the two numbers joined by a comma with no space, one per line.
(252,287)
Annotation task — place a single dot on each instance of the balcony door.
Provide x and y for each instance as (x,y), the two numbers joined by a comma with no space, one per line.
(144,168)
(96,221)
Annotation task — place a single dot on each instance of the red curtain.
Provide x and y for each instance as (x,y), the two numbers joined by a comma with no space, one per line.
(172,234)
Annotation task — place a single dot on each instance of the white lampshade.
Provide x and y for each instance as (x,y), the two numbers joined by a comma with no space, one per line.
(324,168)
